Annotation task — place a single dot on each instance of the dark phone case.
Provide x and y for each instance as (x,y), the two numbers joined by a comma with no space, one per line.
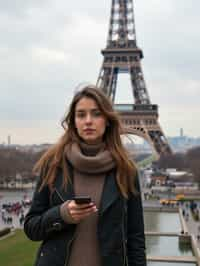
(82,200)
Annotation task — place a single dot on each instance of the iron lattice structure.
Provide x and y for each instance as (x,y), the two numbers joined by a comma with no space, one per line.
(122,55)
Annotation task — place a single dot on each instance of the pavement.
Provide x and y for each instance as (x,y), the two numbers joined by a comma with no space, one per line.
(193,226)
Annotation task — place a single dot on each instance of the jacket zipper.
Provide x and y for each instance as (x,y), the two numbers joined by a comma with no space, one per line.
(125,263)
(71,240)
(68,247)
(124,246)
(59,195)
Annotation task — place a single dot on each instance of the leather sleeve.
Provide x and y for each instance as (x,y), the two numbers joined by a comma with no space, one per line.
(135,229)
(42,220)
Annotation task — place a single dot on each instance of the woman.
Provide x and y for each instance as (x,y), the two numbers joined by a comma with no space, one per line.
(89,160)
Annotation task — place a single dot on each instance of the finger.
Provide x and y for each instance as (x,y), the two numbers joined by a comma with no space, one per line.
(79,217)
(83,211)
(83,206)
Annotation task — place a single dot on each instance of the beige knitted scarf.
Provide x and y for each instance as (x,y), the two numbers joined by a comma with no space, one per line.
(90,158)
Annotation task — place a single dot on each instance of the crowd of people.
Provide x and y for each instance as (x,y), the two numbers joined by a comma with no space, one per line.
(190,212)
(12,211)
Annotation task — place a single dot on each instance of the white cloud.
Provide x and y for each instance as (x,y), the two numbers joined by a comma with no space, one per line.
(45,55)
(47,47)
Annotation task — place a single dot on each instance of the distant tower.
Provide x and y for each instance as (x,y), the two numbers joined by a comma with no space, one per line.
(9,140)
(122,55)
(181,132)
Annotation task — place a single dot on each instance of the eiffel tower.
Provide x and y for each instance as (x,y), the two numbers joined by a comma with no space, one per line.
(122,55)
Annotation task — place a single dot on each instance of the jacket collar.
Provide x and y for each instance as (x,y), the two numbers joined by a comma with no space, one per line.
(110,191)
(68,193)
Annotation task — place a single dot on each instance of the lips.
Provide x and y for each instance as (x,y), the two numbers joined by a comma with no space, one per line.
(89,130)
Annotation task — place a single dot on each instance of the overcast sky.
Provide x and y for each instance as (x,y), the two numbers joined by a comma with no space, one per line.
(48,47)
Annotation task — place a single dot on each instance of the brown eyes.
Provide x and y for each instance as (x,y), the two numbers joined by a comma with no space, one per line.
(97,113)
(84,114)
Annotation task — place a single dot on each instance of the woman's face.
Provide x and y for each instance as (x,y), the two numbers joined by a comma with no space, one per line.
(89,121)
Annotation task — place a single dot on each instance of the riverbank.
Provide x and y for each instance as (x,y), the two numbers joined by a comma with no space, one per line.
(17,186)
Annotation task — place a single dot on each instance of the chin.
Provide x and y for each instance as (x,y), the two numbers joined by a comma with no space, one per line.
(91,140)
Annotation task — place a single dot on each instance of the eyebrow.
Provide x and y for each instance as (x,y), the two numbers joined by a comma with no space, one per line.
(83,110)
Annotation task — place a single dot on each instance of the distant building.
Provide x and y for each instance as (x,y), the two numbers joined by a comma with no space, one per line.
(172,180)
(9,140)
(179,176)
(159,180)
(179,143)
(183,143)
(33,148)
(181,133)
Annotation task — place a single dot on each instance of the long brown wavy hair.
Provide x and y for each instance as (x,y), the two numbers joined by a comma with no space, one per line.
(55,157)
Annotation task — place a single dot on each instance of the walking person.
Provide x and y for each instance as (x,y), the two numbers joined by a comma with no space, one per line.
(89,161)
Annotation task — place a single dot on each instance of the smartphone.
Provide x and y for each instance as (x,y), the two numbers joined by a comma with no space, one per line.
(82,199)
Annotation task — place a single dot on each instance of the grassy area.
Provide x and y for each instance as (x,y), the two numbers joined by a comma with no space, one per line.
(146,161)
(17,250)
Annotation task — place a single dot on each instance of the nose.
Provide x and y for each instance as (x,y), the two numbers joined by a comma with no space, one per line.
(88,119)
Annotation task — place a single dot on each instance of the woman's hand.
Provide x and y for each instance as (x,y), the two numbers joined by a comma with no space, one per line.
(79,212)
(75,213)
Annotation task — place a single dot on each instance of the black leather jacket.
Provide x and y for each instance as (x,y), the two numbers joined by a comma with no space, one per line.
(120,226)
